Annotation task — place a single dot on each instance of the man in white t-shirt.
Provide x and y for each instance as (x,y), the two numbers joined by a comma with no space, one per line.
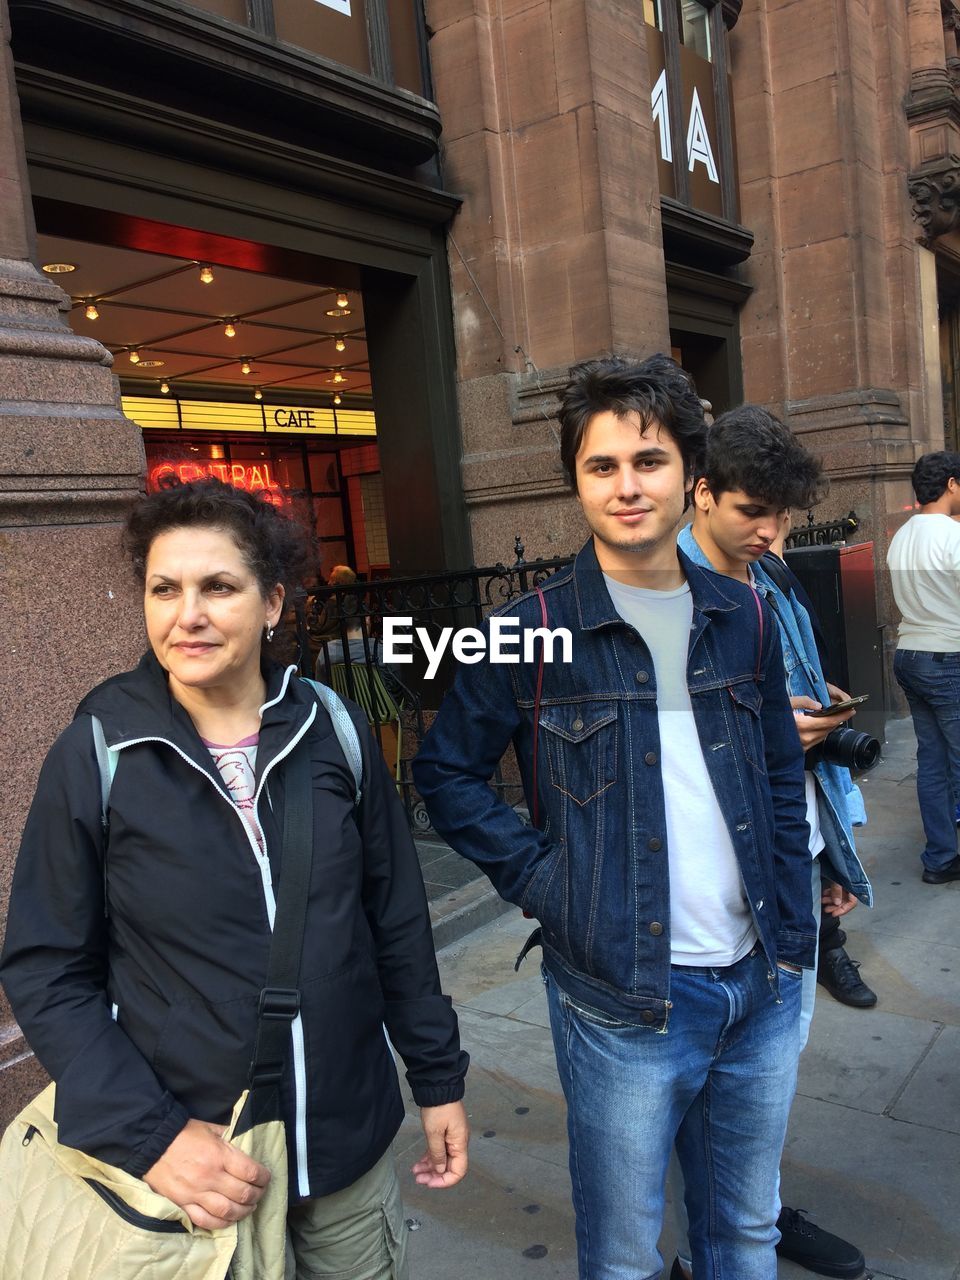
(924,563)
(754,471)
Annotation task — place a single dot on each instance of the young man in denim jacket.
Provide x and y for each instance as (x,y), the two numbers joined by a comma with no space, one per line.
(667,862)
(754,471)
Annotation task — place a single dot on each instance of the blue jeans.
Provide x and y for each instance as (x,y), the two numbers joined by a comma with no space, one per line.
(932,689)
(808,998)
(718,1082)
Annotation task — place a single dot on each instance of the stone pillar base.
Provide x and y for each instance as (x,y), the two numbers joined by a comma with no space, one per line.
(70,466)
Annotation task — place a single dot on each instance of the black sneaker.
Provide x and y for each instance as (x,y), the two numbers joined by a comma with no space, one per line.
(950,872)
(840,975)
(816,1250)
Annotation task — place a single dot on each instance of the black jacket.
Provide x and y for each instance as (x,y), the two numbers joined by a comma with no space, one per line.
(145,1014)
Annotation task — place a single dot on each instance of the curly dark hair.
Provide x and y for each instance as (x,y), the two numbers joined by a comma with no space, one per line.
(656,388)
(750,450)
(932,473)
(273,546)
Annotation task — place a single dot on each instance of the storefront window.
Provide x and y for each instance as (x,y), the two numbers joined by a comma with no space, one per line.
(323,473)
(344,518)
(695,28)
(337,29)
(690,100)
(235,10)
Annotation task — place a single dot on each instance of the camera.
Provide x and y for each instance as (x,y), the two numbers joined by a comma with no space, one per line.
(855,751)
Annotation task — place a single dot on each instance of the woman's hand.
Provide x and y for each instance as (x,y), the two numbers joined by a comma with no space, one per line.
(444,1162)
(835,900)
(813,729)
(208,1178)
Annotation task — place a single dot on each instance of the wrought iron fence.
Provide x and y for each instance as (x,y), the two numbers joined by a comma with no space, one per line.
(340,630)
(825,534)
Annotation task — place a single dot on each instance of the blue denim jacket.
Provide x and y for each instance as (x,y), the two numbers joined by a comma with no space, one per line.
(839,802)
(595,873)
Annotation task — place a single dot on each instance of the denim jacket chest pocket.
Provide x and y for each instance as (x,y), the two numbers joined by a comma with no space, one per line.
(746,702)
(581,746)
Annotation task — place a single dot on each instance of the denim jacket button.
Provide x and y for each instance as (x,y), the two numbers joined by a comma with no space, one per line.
(650,758)
(656,928)
(655,844)
(577,725)
(630,637)
(642,677)
(648,1015)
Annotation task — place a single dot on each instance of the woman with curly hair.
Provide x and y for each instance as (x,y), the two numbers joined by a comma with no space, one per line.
(135,958)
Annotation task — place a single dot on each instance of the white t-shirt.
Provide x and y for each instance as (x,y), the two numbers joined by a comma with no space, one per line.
(710,921)
(816,843)
(924,564)
(238,768)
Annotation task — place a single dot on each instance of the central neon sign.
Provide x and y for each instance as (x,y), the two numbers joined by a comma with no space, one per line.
(254,478)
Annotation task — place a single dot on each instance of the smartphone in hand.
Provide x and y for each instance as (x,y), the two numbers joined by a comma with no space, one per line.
(834,707)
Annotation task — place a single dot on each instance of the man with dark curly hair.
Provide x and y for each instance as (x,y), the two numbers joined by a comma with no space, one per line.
(924,563)
(754,472)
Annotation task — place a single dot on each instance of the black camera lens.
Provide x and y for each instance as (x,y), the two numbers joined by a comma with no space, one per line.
(853,750)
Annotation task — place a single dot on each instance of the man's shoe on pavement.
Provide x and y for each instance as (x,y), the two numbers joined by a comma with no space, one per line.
(840,975)
(814,1249)
(950,872)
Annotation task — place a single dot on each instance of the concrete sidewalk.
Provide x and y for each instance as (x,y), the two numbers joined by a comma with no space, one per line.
(874,1145)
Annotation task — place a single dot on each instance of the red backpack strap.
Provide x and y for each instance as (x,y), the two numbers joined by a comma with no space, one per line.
(756,601)
(535,815)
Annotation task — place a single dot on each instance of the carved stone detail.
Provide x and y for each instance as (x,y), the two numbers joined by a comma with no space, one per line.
(935,192)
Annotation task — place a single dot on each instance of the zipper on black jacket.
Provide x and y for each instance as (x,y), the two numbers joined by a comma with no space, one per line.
(299,1046)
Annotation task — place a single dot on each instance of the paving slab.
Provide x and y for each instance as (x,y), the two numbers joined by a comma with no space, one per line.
(861,1058)
(511,1219)
(891,1186)
(932,1095)
(912,976)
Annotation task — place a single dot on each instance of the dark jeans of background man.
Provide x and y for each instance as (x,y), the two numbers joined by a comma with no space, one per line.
(931,683)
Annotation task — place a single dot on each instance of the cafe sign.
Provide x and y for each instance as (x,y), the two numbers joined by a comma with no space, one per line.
(170,414)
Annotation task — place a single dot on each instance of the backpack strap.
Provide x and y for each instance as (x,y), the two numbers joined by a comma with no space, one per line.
(536,711)
(107,758)
(345,730)
(756,601)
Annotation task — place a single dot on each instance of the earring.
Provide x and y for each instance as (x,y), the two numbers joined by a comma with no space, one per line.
(269,633)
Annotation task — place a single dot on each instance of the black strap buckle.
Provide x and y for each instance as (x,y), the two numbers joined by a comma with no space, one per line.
(279,1002)
(260,1077)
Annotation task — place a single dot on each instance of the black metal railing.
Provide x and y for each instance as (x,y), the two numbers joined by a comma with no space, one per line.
(340,639)
(340,636)
(825,534)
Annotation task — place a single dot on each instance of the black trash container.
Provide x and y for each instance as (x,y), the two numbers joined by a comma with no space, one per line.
(841,583)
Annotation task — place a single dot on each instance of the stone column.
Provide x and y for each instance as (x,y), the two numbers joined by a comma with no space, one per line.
(832,335)
(70,464)
(931,106)
(556,255)
(928,61)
